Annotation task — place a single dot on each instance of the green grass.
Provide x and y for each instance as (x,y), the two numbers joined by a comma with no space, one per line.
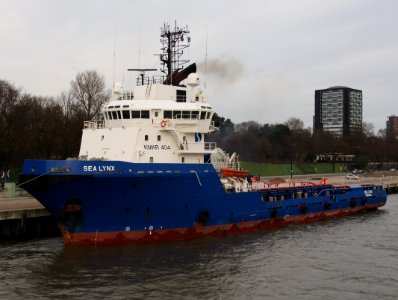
(268,169)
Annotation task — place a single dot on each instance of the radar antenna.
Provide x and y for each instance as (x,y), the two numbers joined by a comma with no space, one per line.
(142,72)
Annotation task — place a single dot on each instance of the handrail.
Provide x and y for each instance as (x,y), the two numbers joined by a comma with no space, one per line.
(149,80)
(94,124)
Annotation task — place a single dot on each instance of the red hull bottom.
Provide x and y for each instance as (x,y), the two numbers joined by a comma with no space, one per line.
(148,236)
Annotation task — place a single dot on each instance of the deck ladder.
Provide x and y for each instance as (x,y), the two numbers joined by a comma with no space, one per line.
(177,139)
(148,90)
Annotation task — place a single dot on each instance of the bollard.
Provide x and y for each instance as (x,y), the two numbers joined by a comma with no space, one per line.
(9,190)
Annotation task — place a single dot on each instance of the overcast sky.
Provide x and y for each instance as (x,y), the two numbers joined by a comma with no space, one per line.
(274,54)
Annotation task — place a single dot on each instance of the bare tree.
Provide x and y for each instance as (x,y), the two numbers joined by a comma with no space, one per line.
(247,126)
(73,118)
(67,102)
(88,89)
(295,124)
(368,129)
(9,98)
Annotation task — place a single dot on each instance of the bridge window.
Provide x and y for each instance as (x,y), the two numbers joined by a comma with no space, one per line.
(167,114)
(109,115)
(208,115)
(176,114)
(135,114)
(126,114)
(144,114)
(119,114)
(181,96)
(185,114)
(114,115)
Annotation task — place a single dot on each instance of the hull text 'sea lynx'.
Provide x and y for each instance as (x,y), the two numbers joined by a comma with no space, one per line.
(145,173)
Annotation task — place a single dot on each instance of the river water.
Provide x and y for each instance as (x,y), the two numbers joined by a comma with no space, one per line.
(349,258)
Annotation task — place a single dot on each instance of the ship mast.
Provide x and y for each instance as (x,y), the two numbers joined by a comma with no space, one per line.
(173,45)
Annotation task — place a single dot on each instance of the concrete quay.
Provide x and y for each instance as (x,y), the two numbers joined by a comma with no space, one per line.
(389,180)
(23,216)
(21,207)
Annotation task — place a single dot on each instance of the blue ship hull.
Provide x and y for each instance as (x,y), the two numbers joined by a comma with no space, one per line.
(119,202)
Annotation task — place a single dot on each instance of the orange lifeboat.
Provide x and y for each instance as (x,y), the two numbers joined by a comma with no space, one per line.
(229,172)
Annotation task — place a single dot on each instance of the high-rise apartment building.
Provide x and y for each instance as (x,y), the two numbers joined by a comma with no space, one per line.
(392,126)
(338,110)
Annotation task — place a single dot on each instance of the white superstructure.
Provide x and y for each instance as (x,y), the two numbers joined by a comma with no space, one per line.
(156,123)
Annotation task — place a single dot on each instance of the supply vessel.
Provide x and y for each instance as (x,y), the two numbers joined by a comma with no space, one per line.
(145,172)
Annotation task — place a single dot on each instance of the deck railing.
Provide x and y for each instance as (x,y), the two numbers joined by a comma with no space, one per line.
(94,124)
(147,80)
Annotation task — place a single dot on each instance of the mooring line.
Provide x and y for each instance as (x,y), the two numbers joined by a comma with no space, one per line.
(34,178)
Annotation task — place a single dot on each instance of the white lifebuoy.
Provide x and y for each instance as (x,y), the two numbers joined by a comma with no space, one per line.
(163,123)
